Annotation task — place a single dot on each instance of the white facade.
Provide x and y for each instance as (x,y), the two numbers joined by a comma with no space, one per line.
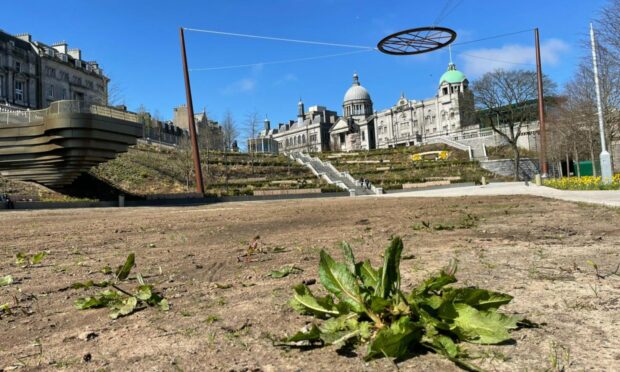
(355,130)
(409,122)
(33,74)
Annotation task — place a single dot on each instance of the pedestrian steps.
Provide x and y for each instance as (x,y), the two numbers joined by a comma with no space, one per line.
(329,173)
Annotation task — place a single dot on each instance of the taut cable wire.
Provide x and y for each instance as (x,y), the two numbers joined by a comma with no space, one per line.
(280,61)
(278,39)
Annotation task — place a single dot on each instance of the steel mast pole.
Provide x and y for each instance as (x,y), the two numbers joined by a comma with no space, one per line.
(200,188)
(542,152)
(604,157)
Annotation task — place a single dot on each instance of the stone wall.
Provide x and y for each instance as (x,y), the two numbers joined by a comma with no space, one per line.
(505,167)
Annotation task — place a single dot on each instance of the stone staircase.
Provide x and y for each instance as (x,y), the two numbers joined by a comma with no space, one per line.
(329,173)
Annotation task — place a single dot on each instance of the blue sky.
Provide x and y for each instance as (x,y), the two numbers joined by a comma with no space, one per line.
(137,43)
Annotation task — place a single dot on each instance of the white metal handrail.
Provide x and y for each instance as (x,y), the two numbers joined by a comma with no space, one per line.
(24,117)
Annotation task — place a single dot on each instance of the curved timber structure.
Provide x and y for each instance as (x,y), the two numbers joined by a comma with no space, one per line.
(54,146)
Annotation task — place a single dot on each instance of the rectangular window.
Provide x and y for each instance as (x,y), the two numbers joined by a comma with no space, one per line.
(19,91)
(18,66)
(50,91)
(63,95)
(1,86)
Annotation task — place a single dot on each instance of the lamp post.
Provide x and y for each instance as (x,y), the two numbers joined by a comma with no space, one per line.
(605,159)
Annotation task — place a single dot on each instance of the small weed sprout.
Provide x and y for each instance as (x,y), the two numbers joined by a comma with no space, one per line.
(118,300)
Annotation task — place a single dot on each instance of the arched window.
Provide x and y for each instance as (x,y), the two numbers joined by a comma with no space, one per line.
(303,138)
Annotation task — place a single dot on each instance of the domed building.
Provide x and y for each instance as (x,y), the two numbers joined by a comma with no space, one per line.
(355,129)
(408,122)
(411,122)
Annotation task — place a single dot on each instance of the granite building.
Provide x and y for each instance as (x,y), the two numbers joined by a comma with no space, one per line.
(34,74)
(210,133)
(410,122)
(406,123)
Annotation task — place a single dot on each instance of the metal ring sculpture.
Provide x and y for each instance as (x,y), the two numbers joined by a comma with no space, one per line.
(417,40)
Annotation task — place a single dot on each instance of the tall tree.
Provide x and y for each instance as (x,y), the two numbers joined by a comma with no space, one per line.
(230,134)
(609,28)
(581,93)
(251,126)
(506,101)
(229,128)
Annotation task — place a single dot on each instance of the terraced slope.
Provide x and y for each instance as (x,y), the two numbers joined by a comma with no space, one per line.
(391,168)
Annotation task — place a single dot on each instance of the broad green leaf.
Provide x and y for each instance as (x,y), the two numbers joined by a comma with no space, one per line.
(105,298)
(5,308)
(6,280)
(314,334)
(337,279)
(155,299)
(37,258)
(123,272)
(370,277)
(481,327)
(481,299)
(390,276)
(163,305)
(379,304)
(348,256)
(124,308)
(285,271)
(444,345)
(395,340)
(304,301)
(88,303)
(433,283)
(20,259)
(144,292)
(337,324)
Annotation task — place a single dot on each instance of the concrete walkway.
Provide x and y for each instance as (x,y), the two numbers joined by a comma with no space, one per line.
(608,198)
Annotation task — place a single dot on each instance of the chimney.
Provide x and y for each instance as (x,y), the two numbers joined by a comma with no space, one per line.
(61,47)
(75,53)
(24,37)
(267,125)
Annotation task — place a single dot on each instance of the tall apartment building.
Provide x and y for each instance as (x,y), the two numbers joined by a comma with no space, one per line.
(34,74)
(19,73)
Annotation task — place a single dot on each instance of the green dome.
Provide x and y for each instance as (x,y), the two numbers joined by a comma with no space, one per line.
(452,76)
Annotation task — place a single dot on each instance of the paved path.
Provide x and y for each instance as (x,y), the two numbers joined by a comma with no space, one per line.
(608,198)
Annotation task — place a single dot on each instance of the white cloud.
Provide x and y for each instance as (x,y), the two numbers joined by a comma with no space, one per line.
(245,85)
(477,62)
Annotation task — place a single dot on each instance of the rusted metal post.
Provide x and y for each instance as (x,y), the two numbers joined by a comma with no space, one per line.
(200,188)
(542,151)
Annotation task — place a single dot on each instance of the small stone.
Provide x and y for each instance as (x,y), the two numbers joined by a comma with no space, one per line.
(87,357)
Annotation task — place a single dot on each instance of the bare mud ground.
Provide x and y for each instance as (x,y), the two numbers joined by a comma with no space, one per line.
(532,248)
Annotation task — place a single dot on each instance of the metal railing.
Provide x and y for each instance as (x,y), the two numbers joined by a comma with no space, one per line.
(25,117)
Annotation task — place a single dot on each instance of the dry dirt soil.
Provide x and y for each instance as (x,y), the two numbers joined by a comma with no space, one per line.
(224,313)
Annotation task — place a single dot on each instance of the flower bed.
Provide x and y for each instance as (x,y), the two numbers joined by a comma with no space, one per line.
(583,183)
